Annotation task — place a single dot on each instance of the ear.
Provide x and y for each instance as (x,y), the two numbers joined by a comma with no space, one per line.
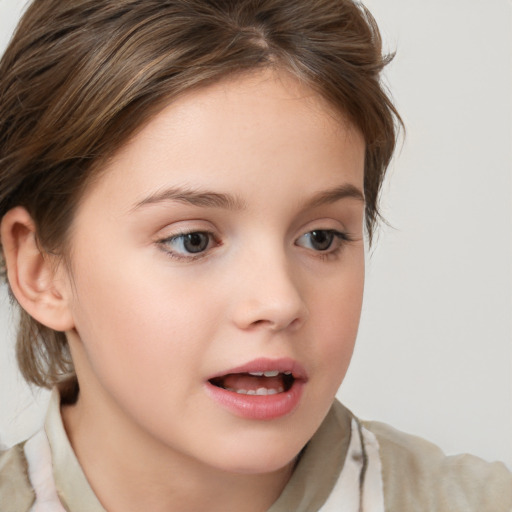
(38,282)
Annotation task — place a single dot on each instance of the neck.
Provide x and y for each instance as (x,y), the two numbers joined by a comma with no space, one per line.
(129,470)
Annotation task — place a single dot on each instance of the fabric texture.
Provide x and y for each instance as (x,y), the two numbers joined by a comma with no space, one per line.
(348,466)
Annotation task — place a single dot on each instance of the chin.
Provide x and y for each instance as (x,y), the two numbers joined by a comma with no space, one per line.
(260,467)
(261,456)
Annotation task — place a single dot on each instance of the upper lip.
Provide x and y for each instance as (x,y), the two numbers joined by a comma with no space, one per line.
(264,364)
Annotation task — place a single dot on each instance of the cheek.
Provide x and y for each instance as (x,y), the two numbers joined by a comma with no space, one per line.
(335,313)
(131,318)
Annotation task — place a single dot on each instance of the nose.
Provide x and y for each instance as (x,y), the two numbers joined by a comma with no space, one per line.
(268,295)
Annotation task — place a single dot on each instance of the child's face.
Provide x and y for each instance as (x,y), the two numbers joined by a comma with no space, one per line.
(269,182)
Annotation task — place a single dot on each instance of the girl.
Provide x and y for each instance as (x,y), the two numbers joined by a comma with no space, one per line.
(183,193)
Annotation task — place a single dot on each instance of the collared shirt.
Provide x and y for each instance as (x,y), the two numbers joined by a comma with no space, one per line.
(348,466)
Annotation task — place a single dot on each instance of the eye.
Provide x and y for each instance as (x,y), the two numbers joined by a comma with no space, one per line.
(322,240)
(187,245)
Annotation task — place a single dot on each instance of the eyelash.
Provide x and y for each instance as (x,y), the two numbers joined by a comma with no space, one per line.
(328,253)
(182,236)
(342,239)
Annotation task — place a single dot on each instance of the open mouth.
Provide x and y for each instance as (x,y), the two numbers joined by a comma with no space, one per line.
(261,389)
(255,383)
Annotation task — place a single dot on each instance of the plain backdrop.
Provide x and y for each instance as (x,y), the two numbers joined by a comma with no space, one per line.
(434,354)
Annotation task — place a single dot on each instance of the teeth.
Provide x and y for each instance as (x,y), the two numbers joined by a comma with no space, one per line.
(259,391)
(287,373)
(270,373)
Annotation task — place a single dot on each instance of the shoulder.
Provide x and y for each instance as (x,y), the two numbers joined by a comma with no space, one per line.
(16,494)
(417,475)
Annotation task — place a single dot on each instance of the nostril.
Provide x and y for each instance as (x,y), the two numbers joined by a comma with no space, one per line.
(276,324)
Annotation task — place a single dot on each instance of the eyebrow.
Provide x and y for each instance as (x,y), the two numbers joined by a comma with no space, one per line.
(205,199)
(333,195)
(209,199)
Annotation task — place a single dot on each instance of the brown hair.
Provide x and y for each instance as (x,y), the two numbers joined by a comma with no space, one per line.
(81,76)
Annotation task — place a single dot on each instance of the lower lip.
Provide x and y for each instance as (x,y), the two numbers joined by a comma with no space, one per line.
(256,407)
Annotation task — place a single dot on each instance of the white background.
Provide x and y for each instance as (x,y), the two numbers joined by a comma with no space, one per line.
(434,355)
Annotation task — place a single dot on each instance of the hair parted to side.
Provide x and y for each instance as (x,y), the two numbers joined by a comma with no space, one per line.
(81,76)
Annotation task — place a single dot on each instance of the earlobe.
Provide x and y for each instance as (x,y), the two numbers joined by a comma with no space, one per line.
(32,273)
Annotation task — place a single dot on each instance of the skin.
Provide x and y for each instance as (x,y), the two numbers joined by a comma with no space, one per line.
(152,322)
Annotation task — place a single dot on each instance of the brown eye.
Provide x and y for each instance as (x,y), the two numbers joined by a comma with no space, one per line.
(195,242)
(186,244)
(318,240)
(322,240)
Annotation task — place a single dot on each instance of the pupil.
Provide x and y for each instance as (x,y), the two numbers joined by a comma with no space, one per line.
(321,240)
(196,242)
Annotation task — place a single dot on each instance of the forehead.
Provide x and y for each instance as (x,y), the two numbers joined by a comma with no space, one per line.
(238,130)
